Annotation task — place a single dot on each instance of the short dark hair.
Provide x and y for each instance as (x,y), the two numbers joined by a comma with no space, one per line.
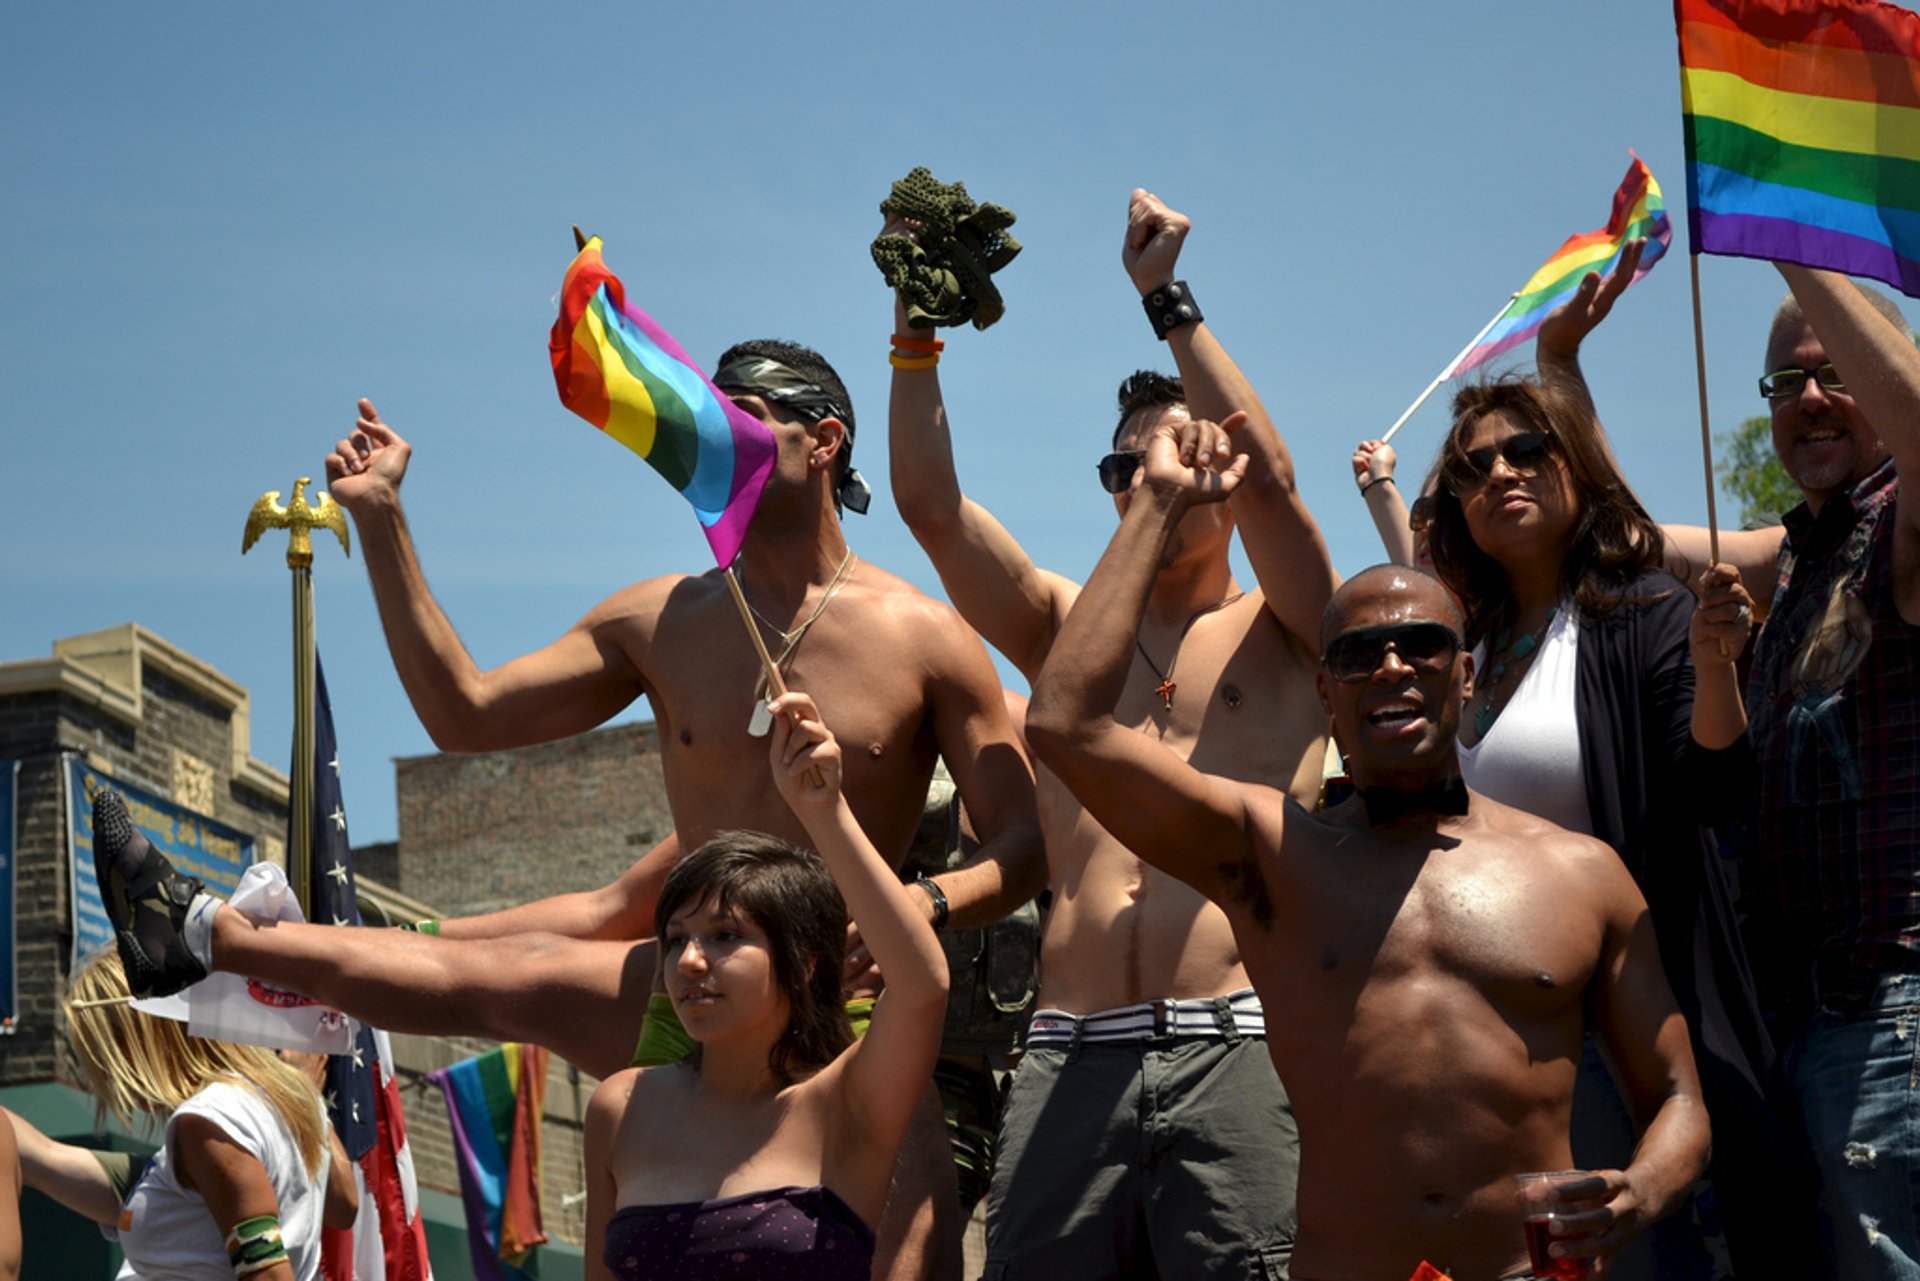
(788,892)
(1146,389)
(1613,540)
(813,367)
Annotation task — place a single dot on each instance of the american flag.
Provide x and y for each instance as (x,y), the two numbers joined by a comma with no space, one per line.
(388,1242)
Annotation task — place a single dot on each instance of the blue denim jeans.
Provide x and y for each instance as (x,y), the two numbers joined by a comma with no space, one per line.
(1856,1076)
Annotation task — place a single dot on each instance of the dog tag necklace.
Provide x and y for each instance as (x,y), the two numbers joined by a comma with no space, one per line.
(761,722)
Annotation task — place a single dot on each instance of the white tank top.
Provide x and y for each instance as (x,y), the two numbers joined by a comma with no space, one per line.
(1530,759)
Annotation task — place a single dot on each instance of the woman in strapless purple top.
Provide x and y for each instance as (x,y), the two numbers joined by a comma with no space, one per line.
(767,1153)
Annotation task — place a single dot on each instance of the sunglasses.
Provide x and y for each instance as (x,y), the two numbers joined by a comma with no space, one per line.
(1471,469)
(1782,383)
(1420,515)
(1117,469)
(1355,656)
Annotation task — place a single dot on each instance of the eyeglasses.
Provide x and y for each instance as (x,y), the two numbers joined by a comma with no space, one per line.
(1355,656)
(1420,515)
(1782,383)
(1117,469)
(1524,451)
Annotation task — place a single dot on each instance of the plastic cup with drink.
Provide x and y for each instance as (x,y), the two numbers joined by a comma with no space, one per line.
(1547,1198)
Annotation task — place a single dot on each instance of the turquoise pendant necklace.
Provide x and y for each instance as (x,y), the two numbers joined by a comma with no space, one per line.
(1506,653)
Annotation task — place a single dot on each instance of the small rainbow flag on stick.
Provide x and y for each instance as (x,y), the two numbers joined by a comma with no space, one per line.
(1638,212)
(1802,122)
(627,376)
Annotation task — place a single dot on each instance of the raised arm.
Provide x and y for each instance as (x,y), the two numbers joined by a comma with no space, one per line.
(981,747)
(1191,825)
(1373,462)
(572,685)
(988,576)
(1640,1027)
(1881,369)
(880,1076)
(1285,547)
(1557,345)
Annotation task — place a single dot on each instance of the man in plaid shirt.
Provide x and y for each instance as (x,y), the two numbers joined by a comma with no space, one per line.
(1834,702)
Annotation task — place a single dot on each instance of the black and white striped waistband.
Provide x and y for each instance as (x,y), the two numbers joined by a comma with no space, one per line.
(1208,1017)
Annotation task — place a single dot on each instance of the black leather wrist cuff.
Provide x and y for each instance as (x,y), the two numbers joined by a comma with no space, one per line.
(939,897)
(1171,306)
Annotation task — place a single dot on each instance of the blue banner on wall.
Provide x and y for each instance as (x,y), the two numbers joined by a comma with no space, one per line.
(9,839)
(197,845)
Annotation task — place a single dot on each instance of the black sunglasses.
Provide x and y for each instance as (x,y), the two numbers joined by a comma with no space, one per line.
(1117,469)
(1470,469)
(1420,515)
(1782,383)
(1355,656)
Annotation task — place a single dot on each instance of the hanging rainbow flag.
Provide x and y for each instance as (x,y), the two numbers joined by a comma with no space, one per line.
(494,1106)
(1638,211)
(628,377)
(1802,122)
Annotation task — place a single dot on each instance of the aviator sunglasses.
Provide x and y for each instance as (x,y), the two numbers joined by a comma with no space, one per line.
(1355,656)
(1472,468)
(1117,469)
(1782,383)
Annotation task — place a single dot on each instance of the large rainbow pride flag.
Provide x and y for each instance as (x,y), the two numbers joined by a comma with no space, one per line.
(1802,121)
(1638,212)
(495,1102)
(627,376)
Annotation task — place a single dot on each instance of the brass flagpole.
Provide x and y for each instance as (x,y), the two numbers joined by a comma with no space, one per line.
(299,519)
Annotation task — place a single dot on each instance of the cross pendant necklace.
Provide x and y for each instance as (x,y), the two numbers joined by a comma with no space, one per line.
(1164,690)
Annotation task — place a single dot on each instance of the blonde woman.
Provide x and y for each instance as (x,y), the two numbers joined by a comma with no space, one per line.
(248,1170)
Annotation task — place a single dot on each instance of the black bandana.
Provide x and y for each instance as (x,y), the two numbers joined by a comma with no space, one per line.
(1384,805)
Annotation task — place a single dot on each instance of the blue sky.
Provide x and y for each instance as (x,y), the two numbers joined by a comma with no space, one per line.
(224,222)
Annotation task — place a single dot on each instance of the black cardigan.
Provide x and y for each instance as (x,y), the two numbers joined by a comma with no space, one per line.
(1654,795)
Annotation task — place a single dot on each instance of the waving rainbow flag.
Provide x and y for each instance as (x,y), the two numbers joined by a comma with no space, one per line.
(628,377)
(1638,211)
(1802,121)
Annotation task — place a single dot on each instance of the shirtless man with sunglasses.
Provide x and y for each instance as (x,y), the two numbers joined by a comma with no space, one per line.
(1428,958)
(1145,1132)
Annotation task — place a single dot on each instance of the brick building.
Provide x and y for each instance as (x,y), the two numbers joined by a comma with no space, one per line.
(476,833)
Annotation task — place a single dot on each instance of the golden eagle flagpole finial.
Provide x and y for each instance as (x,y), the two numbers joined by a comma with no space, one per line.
(299,519)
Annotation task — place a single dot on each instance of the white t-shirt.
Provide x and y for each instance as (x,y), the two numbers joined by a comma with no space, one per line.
(1530,759)
(169,1234)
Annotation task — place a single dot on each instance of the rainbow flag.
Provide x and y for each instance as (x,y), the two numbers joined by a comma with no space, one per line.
(1802,122)
(494,1105)
(1638,211)
(628,377)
